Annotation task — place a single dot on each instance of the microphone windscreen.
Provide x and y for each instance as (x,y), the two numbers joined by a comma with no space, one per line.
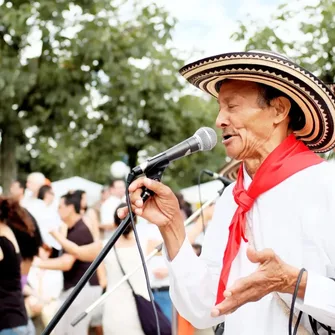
(207,138)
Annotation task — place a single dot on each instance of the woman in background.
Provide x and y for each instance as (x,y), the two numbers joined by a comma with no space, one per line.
(46,194)
(14,220)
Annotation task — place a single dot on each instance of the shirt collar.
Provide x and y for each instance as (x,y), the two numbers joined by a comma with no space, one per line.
(247,179)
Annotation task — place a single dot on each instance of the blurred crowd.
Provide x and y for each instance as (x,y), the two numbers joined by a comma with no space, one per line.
(47,244)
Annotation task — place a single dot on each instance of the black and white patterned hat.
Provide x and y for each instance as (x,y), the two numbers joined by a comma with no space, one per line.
(315,98)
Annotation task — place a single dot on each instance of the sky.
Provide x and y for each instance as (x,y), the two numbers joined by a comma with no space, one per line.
(205,26)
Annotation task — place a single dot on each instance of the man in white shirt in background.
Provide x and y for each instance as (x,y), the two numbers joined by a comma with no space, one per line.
(276,220)
(46,216)
(117,190)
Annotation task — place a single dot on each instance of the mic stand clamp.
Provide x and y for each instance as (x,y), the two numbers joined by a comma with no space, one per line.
(154,173)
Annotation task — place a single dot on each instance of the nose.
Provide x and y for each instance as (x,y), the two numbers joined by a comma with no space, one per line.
(222,120)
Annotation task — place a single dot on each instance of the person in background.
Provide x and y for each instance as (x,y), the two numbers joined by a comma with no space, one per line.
(14,220)
(73,269)
(40,287)
(117,190)
(46,194)
(91,219)
(196,231)
(118,319)
(185,207)
(17,189)
(47,218)
(29,244)
(90,216)
(105,193)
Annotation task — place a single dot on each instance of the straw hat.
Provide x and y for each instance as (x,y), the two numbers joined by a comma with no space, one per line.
(315,98)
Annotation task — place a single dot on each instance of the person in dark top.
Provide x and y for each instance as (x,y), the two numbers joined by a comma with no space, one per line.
(73,269)
(15,223)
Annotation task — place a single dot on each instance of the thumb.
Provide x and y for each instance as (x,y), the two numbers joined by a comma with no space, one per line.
(262,256)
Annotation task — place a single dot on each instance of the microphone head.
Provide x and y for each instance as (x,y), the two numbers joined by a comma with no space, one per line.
(207,138)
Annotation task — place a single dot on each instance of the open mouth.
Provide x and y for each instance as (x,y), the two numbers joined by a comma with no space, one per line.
(227,137)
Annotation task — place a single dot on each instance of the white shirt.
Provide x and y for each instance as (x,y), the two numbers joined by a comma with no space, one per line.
(47,219)
(47,283)
(107,212)
(297,220)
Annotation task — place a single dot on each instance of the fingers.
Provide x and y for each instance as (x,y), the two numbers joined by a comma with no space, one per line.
(136,202)
(122,212)
(238,287)
(226,307)
(153,185)
(236,296)
(259,256)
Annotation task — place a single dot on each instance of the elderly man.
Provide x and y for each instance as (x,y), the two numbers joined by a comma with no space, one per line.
(278,217)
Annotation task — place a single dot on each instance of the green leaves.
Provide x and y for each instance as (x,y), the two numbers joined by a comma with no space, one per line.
(313,49)
(85,83)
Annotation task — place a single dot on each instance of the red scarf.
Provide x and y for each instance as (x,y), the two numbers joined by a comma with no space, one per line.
(290,157)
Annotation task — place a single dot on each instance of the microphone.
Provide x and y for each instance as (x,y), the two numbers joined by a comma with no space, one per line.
(204,139)
(217,176)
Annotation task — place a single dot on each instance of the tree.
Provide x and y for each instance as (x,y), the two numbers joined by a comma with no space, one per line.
(311,45)
(100,85)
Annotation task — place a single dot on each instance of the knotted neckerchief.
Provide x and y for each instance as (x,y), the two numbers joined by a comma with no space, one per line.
(290,157)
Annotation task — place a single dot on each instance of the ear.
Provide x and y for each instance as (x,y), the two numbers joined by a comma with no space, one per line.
(282,107)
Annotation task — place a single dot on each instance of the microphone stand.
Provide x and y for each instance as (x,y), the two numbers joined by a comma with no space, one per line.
(102,299)
(156,174)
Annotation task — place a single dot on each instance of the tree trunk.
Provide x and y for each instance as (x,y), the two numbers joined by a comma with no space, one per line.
(8,166)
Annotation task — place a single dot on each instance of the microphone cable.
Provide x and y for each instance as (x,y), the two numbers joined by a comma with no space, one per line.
(294,298)
(312,321)
(145,269)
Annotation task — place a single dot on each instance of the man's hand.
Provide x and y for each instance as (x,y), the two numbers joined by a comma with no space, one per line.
(160,209)
(272,275)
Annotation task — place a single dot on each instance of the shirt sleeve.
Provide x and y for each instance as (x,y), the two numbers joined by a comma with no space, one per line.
(193,286)
(319,300)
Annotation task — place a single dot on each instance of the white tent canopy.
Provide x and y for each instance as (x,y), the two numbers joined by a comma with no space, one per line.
(208,191)
(91,188)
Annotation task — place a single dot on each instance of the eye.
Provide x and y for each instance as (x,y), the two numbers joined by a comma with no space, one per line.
(232,106)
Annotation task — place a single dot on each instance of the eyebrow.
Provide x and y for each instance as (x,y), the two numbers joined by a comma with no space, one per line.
(227,99)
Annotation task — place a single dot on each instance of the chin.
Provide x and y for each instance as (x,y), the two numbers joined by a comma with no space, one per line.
(233,152)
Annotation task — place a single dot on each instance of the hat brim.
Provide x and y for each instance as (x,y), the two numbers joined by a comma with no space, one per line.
(315,99)
(230,170)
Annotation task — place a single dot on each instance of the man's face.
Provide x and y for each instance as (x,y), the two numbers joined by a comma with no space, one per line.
(246,126)
(119,189)
(16,191)
(65,211)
